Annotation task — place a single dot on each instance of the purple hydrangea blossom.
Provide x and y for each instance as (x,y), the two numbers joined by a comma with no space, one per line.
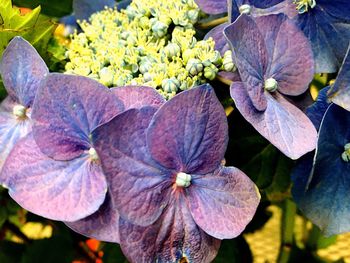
(55,171)
(21,70)
(327,25)
(104,224)
(265,51)
(174,197)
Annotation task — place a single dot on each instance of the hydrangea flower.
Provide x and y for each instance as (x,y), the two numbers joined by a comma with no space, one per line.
(55,171)
(264,51)
(21,69)
(326,24)
(104,224)
(174,197)
(321,179)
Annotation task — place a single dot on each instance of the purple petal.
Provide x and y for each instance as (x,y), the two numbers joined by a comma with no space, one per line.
(189,133)
(217,34)
(58,190)
(212,6)
(250,56)
(283,124)
(138,187)
(224,202)
(138,96)
(11,129)
(290,54)
(65,112)
(102,225)
(21,70)
(340,92)
(83,9)
(233,76)
(173,237)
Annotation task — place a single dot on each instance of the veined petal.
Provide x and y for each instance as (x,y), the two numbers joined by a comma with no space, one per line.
(138,96)
(65,112)
(323,197)
(58,190)
(212,6)
(21,70)
(224,202)
(11,129)
(217,34)
(189,133)
(250,56)
(283,124)
(102,225)
(174,236)
(138,186)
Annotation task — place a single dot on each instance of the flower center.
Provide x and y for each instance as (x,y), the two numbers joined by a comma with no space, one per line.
(245,9)
(93,155)
(20,111)
(183,180)
(303,5)
(346,154)
(271,85)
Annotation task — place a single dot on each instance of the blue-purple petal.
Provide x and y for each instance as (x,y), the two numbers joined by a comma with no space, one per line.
(217,34)
(22,70)
(212,6)
(224,202)
(340,91)
(138,96)
(11,129)
(189,133)
(102,225)
(324,197)
(65,112)
(316,111)
(139,188)
(250,56)
(83,9)
(173,237)
(283,124)
(58,190)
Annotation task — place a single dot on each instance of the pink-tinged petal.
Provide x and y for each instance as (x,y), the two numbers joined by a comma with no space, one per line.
(250,56)
(290,54)
(11,129)
(212,6)
(189,133)
(58,190)
(283,124)
(102,225)
(138,96)
(173,237)
(21,70)
(139,188)
(224,202)
(217,34)
(65,112)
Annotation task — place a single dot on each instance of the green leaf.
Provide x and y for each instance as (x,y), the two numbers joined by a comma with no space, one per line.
(10,252)
(3,215)
(112,253)
(37,29)
(55,8)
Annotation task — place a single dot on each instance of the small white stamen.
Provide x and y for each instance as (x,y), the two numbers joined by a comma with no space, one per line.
(93,154)
(346,154)
(183,180)
(271,85)
(19,111)
(245,9)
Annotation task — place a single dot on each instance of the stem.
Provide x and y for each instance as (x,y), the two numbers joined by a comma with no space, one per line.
(16,231)
(223,80)
(228,110)
(313,237)
(287,230)
(212,23)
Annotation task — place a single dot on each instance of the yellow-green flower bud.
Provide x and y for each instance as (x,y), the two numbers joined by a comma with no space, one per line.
(216,59)
(106,76)
(194,66)
(159,29)
(193,15)
(227,62)
(187,55)
(145,22)
(170,85)
(210,72)
(172,50)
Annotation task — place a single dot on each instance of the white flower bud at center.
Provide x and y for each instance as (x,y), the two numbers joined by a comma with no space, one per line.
(19,111)
(245,9)
(271,85)
(93,154)
(183,180)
